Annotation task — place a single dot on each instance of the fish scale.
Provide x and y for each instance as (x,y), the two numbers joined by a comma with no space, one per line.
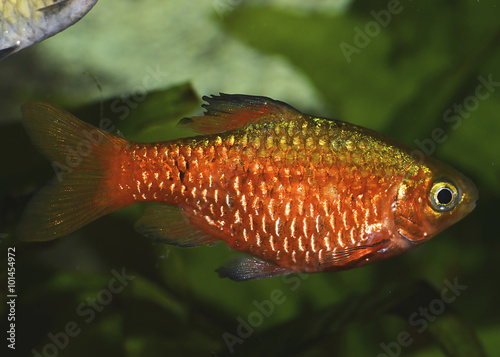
(296,193)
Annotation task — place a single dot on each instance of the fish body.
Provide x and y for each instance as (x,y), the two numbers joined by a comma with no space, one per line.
(297,193)
(26,22)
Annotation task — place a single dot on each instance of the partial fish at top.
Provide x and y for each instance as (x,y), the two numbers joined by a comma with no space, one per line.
(26,22)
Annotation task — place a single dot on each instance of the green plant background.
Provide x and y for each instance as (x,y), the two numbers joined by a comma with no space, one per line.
(428,58)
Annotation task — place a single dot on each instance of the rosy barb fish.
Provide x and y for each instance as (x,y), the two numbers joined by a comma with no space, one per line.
(295,192)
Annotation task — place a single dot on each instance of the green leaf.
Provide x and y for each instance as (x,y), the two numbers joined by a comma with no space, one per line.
(318,329)
(149,116)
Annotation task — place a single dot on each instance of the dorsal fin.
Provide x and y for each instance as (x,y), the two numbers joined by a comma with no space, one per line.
(225,112)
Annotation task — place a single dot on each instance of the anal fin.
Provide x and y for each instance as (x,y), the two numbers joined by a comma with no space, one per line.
(246,268)
(169,224)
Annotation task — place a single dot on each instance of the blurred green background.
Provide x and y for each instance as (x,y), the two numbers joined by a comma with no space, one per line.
(404,68)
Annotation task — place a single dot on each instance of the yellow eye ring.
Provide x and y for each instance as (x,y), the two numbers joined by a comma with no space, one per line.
(444,195)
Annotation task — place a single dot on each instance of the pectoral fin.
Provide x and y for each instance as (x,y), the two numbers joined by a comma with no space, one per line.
(54,7)
(4,52)
(352,256)
(250,268)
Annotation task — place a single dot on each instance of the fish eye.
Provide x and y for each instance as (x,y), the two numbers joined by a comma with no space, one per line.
(444,195)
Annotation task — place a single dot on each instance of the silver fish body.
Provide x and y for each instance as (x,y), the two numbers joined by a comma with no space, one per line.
(26,22)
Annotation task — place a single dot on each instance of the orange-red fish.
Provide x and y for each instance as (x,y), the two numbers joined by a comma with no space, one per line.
(296,192)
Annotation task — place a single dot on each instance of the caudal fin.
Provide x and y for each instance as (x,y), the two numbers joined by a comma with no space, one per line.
(81,156)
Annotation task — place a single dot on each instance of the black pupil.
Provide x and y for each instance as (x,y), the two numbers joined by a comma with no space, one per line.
(444,196)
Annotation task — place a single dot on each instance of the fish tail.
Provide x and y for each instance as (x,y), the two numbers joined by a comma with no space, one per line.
(81,156)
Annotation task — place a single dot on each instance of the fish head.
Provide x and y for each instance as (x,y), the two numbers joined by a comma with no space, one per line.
(430,201)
